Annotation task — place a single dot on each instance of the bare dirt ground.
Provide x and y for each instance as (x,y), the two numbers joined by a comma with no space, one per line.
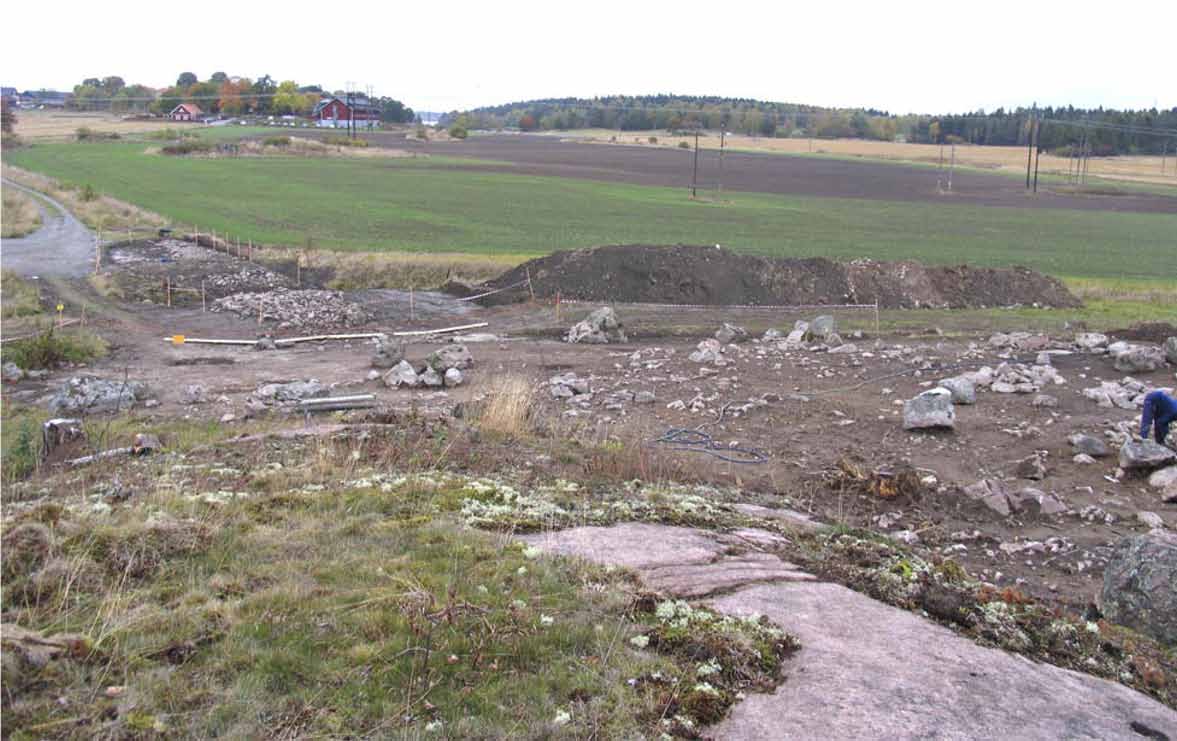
(812,411)
(762,173)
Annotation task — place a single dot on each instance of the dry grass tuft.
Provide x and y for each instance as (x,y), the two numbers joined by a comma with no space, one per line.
(509,407)
(20,214)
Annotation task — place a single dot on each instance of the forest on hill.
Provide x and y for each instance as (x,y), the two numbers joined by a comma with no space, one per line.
(1108,131)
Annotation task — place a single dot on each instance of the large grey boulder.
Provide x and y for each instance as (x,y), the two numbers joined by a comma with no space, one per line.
(1140,585)
(1145,455)
(450,356)
(1089,445)
(930,410)
(963,390)
(90,394)
(401,375)
(1171,350)
(432,378)
(1091,340)
(388,353)
(598,328)
(1163,478)
(1140,360)
(729,333)
(822,327)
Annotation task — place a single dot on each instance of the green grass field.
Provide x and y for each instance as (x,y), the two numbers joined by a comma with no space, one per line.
(437,205)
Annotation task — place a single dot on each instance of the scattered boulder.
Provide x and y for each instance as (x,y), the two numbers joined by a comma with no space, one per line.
(388,353)
(930,410)
(1163,478)
(1151,520)
(598,328)
(798,334)
(194,393)
(453,377)
(730,333)
(994,494)
(822,327)
(845,349)
(568,385)
(644,397)
(707,351)
(1171,350)
(1140,585)
(1089,445)
(1031,468)
(1044,401)
(265,342)
(450,356)
(1083,459)
(90,394)
(285,393)
(1144,455)
(401,375)
(1091,341)
(1142,359)
(11,373)
(432,378)
(963,390)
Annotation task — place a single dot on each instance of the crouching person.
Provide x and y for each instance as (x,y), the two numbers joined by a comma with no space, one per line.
(1160,412)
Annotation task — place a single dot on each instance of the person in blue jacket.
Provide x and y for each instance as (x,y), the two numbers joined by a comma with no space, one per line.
(1160,411)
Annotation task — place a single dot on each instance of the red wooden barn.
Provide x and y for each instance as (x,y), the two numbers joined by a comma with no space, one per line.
(334,112)
(186,112)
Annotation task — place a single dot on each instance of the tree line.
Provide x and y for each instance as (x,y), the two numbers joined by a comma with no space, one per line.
(1108,131)
(220,94)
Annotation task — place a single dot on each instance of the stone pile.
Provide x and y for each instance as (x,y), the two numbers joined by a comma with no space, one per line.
(295,308)
(90,394)
(1019,341)
(995,495)
(1127,393)
(284,394)
(248,279)
(598,328)
(569,386)
(443,368)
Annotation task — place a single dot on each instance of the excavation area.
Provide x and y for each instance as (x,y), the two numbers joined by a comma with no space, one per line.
(704,431)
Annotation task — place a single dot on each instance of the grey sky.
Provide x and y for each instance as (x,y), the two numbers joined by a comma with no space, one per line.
(924,57)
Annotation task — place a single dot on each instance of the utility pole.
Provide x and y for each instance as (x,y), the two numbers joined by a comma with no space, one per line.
(695,171)
(723,134)
(952,167)
(1037,153)
(1029,149)
(1164,151)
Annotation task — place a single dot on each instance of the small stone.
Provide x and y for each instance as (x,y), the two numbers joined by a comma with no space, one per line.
(145,443)
(644,397)
(822,327)
(1163,478)
(432,378)
(729,333)
(1044,401)
(1091,340)
(1089,445)
(1151,520)
(388,353)
(265,343)
(453,377)
(963,390)
(373,375)
(151,403)
(228,417)
(401,375)
(1031,468)
(195,394)
(1083,459)
(450,356)
(11,373)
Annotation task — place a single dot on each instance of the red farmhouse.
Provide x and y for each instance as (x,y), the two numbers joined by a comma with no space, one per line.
(334,112)
(186,112)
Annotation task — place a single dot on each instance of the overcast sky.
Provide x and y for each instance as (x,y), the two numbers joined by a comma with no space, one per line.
(443,55)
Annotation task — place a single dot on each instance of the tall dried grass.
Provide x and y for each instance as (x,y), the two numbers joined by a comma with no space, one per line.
(509,406)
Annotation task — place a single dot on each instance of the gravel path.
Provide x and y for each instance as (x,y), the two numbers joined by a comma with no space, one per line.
(63,247)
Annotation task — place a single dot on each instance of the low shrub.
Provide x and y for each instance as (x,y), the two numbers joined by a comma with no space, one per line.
(52,348)
(87,134)
(653,140)
(338,140)
(187,147)
(276,141)
(458,132)
(684,145)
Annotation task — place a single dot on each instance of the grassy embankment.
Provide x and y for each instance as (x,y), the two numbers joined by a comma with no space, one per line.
(20,215)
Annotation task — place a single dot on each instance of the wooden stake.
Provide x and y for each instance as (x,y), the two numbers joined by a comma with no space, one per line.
(250,250)
(239,248)
(530,290)
(168,283)
(412,305)
(203,299)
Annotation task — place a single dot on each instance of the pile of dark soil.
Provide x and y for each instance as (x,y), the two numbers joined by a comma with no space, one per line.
(1156,332)
(684,274)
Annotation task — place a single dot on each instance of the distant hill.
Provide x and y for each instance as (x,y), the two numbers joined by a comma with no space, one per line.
(1108,131)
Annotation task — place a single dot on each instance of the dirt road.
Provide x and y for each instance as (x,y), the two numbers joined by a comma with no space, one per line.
(62,248)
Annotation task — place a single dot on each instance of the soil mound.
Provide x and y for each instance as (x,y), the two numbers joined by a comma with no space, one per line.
(686,274)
